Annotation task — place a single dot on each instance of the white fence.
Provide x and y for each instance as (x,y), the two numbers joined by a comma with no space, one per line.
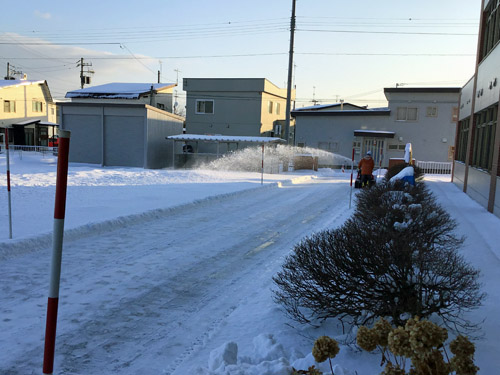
(434,167)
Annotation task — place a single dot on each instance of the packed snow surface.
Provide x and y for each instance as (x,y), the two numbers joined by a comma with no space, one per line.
(169,271)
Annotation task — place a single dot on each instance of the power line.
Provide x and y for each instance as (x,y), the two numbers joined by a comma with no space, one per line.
(384,32)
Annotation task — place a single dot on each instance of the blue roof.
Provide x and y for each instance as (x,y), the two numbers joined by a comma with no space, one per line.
(118,90)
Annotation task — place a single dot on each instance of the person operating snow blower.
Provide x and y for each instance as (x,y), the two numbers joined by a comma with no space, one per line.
(366,166)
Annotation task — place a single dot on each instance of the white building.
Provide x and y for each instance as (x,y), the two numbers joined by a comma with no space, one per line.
(424,117)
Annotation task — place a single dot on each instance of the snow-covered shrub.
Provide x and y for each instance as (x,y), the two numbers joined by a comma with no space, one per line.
(397,257)
(394,170)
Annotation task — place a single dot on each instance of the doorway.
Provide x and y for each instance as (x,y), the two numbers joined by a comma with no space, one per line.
(376,146)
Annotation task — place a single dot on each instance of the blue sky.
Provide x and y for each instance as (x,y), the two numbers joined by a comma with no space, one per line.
(344,50)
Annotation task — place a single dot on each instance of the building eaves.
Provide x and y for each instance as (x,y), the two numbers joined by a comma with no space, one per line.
(367,112)
(422,90)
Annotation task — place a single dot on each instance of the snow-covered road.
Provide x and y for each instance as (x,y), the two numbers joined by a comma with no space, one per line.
(165,288)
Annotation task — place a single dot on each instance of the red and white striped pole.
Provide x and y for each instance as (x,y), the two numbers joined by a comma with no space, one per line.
(352,171)
(8,180)
(57,242)
(262,171)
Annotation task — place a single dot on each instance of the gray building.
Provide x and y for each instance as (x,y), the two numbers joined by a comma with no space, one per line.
(235,106)
(424,117)
(113,134)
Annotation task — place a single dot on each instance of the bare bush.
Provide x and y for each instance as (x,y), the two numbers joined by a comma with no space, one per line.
(397,257)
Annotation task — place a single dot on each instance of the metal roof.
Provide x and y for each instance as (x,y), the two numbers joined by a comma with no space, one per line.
(224,138)
(118,90)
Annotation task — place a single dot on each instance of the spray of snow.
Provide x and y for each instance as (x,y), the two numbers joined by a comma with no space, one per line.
(249,159)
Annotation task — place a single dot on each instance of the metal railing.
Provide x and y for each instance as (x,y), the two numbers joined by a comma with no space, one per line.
(434,167)
(44,150)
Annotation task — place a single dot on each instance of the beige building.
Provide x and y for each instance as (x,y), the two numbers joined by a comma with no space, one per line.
(27,108)
(235,106)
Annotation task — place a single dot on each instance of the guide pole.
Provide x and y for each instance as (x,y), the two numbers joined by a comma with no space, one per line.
(8,180)
(352,171)
(262,170)
(57,242)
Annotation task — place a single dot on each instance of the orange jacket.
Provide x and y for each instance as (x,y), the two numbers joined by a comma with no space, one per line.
(366,164)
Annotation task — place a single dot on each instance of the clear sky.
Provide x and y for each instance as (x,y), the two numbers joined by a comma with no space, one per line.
(346,50)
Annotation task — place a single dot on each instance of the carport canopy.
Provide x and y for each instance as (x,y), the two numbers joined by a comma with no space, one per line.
(224,138)
(374,133)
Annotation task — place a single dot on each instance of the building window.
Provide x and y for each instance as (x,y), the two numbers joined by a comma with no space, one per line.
(270,106)
(484,138)
(9,106)
(328,146)
(463,134)
(278,108)
(204,106)
(431,112)
(406,114)
(491,28)
(37,106)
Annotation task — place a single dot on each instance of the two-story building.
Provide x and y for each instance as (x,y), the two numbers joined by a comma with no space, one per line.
(235,106)
(477,158)
(28,109)
(424,117)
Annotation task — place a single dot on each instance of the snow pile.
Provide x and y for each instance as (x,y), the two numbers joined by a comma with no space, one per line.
(268,358)
(405,172)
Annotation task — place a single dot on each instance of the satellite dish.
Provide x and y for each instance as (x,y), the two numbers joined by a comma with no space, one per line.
(176,104)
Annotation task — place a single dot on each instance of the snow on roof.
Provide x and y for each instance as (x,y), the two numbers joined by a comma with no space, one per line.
(18,82)
(118,90)
(224,138)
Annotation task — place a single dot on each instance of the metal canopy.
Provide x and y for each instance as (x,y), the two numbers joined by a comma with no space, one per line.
(224,138)
(374,133)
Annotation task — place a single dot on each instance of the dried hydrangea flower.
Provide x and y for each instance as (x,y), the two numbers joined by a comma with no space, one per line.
(425,335)
(366,339)
(462,346)
(382,329)
(324,348)
(399,342)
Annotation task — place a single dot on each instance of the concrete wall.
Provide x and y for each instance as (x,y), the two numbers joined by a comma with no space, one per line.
(311,130)
(459,174)
(478,186)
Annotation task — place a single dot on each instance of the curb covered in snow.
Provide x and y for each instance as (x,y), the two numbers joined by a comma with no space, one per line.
(18,247)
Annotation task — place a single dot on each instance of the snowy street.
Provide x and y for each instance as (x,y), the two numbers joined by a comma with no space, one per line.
(150,297)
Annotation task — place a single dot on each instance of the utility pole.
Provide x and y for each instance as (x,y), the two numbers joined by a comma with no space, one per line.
(177,79)
(290,69)
(84,75)
(11,72)
(314,96)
